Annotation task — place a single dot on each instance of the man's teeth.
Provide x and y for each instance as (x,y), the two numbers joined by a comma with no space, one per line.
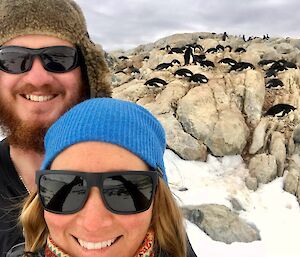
(94,246)
(39,98)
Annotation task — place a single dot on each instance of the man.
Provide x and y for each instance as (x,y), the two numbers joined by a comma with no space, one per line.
(47,64)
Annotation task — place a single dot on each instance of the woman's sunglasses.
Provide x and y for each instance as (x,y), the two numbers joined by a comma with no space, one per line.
(57,59)
(124,192)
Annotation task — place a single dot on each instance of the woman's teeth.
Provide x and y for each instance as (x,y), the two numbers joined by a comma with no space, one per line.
(96,246)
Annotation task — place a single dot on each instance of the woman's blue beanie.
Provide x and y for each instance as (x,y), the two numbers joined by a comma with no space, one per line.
(119,122)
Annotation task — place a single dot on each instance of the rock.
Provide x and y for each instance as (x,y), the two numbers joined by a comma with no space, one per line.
(296,134)
(258,138)
(292,179)
(230,134)
(224,132)
(254,96)
(221,224)
(263,167)
(186,146)
(251,183)
(291,182)
(197,112)
(166,101)
(278,150)
(131,91)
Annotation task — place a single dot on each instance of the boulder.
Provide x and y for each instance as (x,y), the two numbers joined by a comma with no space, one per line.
(221,224)
(263,167)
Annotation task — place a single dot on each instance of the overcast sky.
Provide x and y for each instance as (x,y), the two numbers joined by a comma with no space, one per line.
(124,24)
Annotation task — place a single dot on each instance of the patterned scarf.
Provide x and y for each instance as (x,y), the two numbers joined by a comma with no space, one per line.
(146,249)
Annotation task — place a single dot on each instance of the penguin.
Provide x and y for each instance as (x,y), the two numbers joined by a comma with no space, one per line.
(265,62)
(280,110)
(198,48)
(155,82)
(123,57)
(133,70)
(198,58)
(120,71)
(278,66)
(274,83)
(183,73)
(177,50)
(240,50)
(286,65)
(188,56)
(240,66)
(224,36)
(228,47)
(164,66)
(220,48)
(206,64)
(229,61)
(270,73)
(198,78)
(211,50)
(146,57)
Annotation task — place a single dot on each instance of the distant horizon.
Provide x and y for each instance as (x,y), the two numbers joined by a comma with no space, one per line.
(117,24)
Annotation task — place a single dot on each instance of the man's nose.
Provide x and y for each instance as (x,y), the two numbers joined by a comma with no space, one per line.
(37,75)
(94,215)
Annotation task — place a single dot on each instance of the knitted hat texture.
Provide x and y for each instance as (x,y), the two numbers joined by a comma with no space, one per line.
(62,19)
(118,122)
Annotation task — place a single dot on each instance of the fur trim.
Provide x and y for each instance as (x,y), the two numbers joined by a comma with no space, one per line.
(59,18)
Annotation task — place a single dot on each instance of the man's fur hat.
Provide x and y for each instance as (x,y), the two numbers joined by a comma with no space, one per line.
(62,19)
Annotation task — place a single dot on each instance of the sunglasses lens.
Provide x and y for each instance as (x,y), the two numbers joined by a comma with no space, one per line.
(14,60)
(62,193)
(59,59)
(128,194)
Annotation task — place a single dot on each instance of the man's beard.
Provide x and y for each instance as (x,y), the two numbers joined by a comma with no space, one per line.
(27,135)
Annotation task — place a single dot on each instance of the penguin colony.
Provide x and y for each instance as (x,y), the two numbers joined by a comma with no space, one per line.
(196,54)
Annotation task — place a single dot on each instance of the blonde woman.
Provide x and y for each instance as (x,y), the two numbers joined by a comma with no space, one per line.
(102,188)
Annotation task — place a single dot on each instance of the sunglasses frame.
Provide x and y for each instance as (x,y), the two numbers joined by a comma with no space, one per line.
(37,52)
(96,179)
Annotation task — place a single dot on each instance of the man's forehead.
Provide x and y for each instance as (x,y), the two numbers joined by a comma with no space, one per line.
(37,41)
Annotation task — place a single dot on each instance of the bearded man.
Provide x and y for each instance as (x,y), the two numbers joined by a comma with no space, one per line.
(47,64)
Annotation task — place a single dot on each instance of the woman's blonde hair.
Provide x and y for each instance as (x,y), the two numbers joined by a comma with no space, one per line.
(167,222)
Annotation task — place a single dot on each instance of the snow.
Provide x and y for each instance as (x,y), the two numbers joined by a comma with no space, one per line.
(274,212)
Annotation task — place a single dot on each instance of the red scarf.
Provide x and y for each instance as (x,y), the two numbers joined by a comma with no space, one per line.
(146,249)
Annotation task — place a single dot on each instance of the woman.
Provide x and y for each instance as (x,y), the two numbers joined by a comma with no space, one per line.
(102,187)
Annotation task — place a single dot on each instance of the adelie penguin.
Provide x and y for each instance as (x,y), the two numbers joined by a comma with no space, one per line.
(188,56)
(183,73)
(229,61)
(240,66)
(123,57)
(280,110)
(206,64)
(177,50)
(198,78)
(274,84)
(240,50)
(155,82)
(164,66)
(211,50)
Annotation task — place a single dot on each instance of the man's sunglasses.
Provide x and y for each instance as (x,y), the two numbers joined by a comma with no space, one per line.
(123,192)
(58,59)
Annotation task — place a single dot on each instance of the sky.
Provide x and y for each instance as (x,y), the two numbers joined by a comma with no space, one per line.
(125,24)
(274,212)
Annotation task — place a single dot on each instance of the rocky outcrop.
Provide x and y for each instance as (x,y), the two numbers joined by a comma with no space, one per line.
(250,108)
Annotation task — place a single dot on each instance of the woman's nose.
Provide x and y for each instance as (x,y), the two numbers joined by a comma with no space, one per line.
(94,215)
